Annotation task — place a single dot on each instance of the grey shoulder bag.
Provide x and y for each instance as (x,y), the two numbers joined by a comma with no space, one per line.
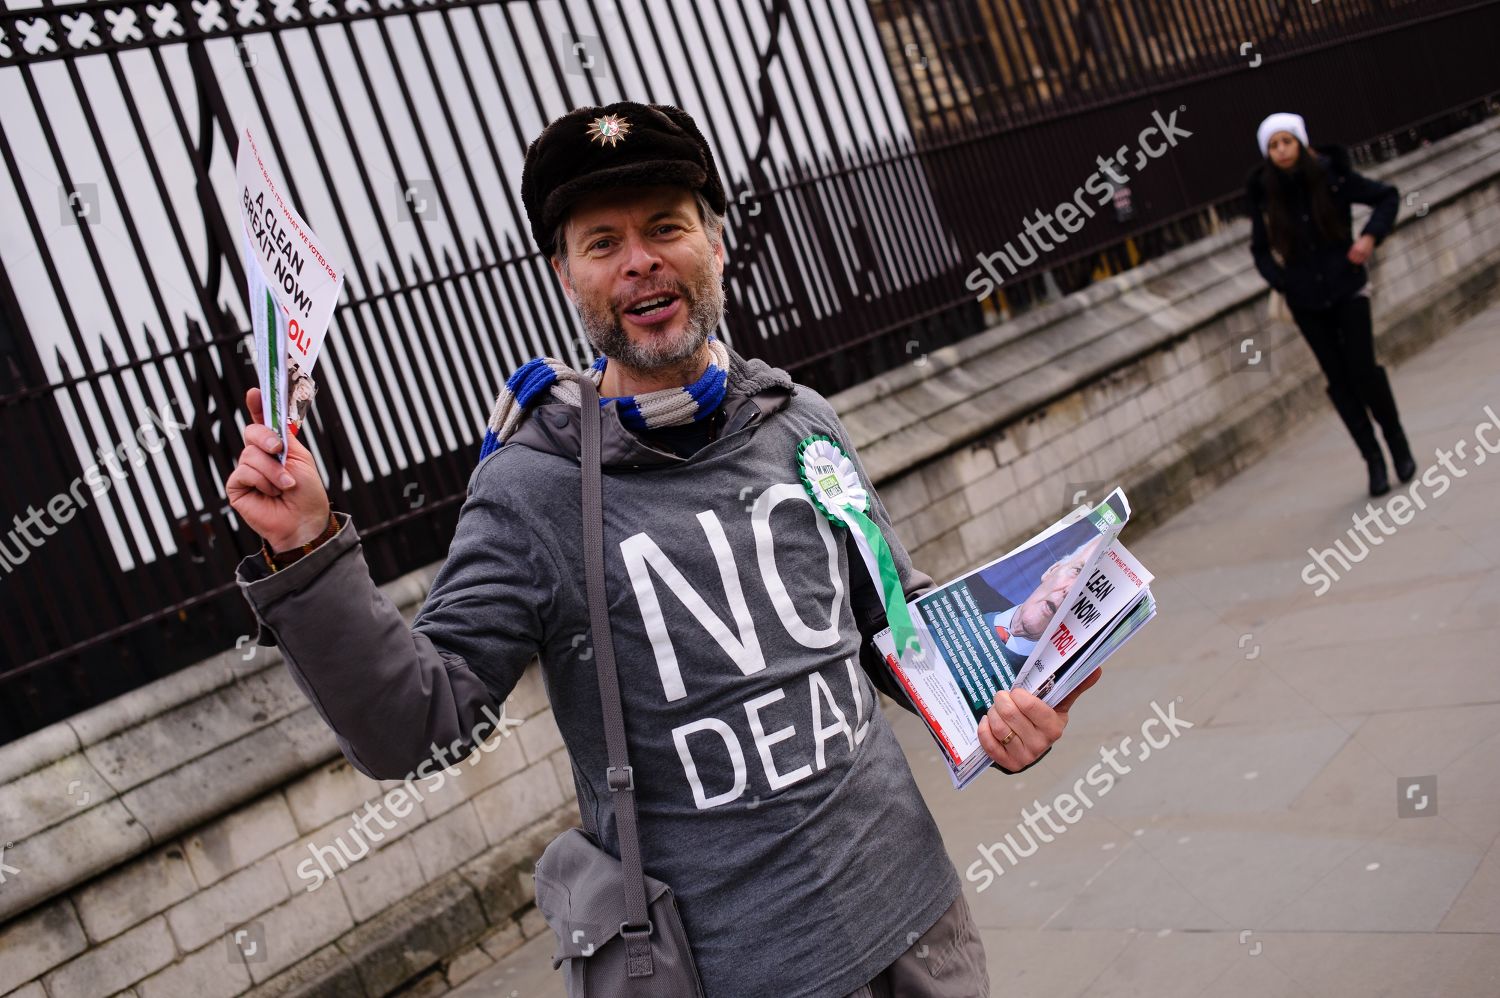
(618,930)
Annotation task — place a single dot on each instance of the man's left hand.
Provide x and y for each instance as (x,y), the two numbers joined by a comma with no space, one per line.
(1035,725)
(1360,252)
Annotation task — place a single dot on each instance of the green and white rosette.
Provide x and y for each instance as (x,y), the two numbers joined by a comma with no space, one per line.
(833,482)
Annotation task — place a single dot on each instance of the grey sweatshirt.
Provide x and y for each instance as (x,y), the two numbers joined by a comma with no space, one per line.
(773,795)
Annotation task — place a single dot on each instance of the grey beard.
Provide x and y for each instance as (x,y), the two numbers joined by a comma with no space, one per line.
(608,336)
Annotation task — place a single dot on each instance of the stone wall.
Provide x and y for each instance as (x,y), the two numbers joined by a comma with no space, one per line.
(157,841)
(152,845)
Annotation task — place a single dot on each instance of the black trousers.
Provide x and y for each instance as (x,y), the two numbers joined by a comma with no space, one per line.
(1342,338)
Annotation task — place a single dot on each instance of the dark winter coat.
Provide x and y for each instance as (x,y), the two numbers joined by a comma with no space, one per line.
(1319,274)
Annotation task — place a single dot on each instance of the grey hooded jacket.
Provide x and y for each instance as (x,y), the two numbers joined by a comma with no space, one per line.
(774,797)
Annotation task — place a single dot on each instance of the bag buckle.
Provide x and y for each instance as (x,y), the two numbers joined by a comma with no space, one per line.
(627,930)
(609,778)
(638,957)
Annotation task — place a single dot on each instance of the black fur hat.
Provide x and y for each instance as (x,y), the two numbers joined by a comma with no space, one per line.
(620,144)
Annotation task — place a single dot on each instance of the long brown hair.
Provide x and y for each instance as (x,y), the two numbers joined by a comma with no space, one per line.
(1308,174)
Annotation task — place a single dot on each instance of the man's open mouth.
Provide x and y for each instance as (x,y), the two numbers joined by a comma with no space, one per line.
(652,305)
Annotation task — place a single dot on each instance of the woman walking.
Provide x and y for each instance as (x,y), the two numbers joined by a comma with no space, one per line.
(1301,239)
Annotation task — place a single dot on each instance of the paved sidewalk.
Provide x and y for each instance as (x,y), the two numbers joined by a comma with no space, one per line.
(1262,852)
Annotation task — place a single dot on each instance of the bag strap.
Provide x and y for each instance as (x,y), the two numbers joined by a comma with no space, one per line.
(619,777)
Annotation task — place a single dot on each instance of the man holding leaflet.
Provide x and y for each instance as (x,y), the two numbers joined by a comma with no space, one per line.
(741,616)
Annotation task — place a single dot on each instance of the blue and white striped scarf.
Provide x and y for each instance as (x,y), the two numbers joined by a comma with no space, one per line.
(538,377)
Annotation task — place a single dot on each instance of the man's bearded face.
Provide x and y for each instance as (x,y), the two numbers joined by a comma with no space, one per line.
(647,281)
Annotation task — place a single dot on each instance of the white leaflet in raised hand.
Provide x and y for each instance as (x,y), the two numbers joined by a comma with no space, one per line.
(294,265)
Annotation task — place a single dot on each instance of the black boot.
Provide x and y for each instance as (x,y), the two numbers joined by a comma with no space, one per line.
(1352,412)
(1382,404)
(1380,484)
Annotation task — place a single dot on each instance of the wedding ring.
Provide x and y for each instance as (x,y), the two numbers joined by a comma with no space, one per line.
(1006,740)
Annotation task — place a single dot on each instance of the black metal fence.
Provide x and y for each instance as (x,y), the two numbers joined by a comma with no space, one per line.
(873,152)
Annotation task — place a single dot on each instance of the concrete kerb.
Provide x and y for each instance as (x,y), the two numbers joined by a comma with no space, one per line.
(1160,490)
(958,355)
(1447,187)
(80,733)
(1037,382)
(425,931)
(1165,485)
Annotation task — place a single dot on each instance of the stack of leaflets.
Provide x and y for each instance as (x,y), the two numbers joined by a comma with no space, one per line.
(999,627)
(294,285)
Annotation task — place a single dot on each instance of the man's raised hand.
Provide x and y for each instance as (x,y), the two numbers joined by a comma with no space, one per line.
(285,504)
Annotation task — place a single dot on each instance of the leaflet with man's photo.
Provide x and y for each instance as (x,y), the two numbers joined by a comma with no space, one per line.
(989,624)
(1062,634)
(981,631)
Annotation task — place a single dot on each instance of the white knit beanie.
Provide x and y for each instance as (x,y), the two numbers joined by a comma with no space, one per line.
(1281,121)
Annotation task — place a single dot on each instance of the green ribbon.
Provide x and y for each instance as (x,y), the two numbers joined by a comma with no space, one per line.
(833,483)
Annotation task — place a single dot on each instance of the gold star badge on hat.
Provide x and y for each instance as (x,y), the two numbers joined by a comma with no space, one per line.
(608,130)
